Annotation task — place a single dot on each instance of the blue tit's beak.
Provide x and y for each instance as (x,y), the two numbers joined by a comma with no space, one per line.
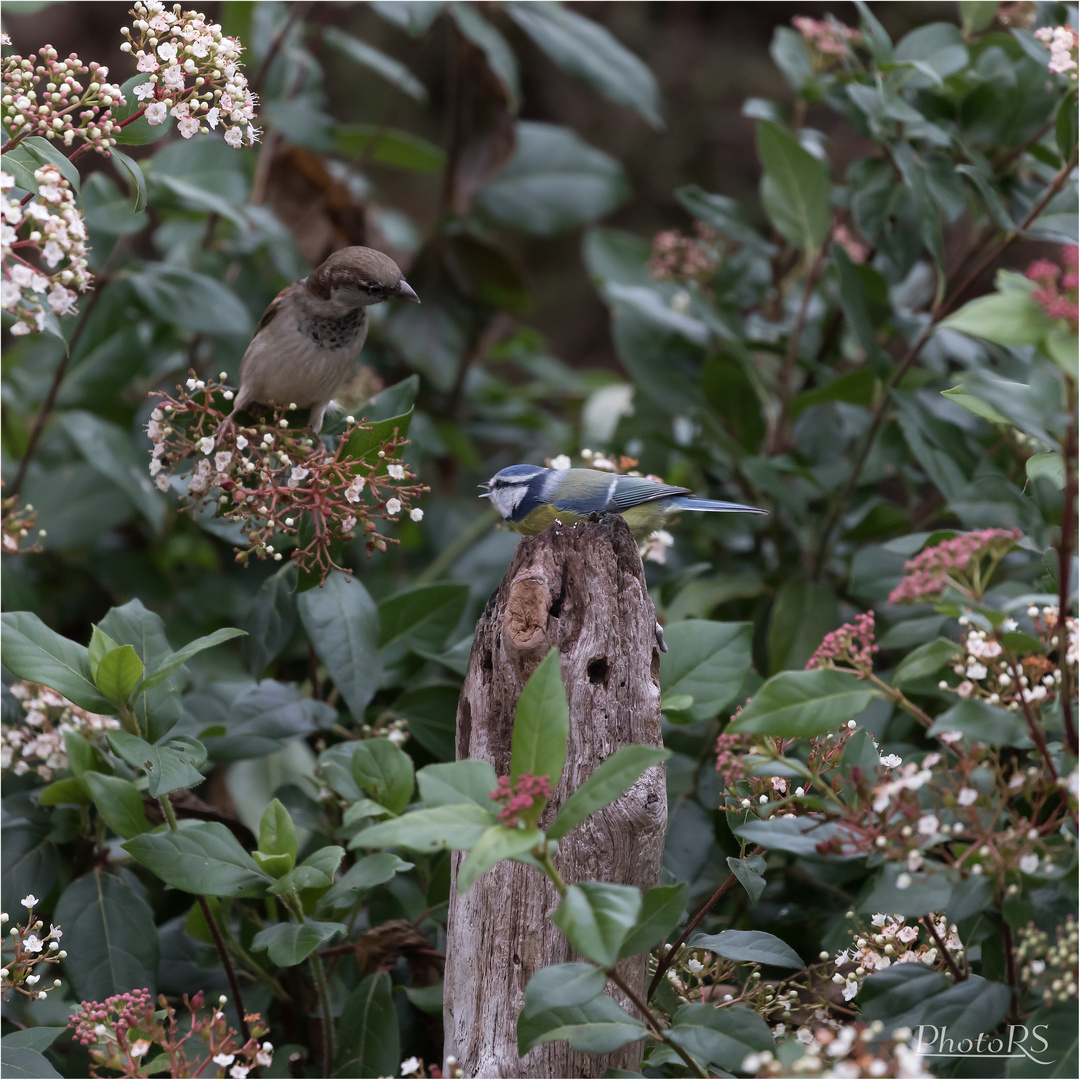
(404,291)
(487,493)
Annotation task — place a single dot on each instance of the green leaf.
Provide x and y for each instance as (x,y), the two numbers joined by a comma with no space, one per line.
(178,659)
(562,985)
(555,181)
(189,300)
(385,772)
(315,872)
(34,652)
(100,644)
(363,875)
(707,660)
(723,213)
(67,792)
(935,50)
(977,15)
(597,918)
(795,188)
(82,754)
(969,1008)
(389,146)
(110,450)
(973,404)
(456,782)
(541,725)
(661,909)
(419,618)
(598,1026)
(368,439)
(804,612)
(288,944)
(129,168)
(33,1038)
(441,827)
(369,1044)
(1049,467)
(119,802)
(169,767)
(983,723)
(343,624)
(431,713)
(1006,318)
(926,892)
(721,1036)
(750,873)
(495,844)
(900,992)
(612,777)
(497,52)
(585,49)
(1065,129)
(118,672)
(749,946)
(414,18)
(42,152)
(20,1061)
(271,620)
(393,71)
(277,834)
(926,660)
(109,935)
(200,857)
(801,704)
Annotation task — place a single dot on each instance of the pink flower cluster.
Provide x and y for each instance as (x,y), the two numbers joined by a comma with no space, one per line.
(956,561)
(852,643)
(121,1012)
(1062,41)
(729,759)
(520,797)
(1058,291)
(675,256)
(826,36)
(59,99)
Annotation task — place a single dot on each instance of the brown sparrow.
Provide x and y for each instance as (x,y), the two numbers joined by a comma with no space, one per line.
(308,340)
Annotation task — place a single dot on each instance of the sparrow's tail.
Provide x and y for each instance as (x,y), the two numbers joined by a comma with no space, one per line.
(685,502)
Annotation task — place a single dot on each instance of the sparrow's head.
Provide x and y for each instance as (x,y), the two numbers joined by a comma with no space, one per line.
(359,276)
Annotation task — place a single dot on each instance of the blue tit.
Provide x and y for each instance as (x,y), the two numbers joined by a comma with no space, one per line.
(530,498)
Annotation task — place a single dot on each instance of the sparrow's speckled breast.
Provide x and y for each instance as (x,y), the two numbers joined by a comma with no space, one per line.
(328,333)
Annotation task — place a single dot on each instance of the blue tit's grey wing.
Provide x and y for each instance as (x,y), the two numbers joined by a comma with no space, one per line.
(596,502)
(635,490)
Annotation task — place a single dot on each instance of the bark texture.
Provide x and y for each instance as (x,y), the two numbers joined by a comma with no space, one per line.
(580,589)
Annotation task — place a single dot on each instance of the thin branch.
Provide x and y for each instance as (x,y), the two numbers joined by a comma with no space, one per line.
(664,962)
(1065,544)
(776,432)
(654,1022)
(1036,732)
(296,12)
(928,922)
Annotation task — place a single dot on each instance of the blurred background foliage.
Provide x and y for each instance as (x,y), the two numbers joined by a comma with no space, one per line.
(517,160)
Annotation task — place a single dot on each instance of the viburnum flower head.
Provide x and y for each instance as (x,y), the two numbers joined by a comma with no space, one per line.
(60,99)
(957,562)
(44,251)
(1062,41)
(193,71)
(852,645)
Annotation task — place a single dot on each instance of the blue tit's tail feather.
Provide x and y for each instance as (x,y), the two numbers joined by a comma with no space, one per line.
(716,506)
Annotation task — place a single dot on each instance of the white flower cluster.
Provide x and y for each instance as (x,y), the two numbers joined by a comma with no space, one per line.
(1062,41)
(29,949)
(51,228)
(194,73)
(37,745)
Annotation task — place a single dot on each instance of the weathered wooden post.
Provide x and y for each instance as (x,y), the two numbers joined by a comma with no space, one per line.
(582,590)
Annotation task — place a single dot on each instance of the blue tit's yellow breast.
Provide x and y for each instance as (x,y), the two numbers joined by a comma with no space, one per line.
(643,519)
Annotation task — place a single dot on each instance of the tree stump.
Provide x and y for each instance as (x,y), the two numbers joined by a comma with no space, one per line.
(580,589)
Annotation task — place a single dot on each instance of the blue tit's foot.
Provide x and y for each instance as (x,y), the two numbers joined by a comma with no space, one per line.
(661,644)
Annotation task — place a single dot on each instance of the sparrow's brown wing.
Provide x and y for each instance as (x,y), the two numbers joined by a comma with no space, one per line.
(274,308)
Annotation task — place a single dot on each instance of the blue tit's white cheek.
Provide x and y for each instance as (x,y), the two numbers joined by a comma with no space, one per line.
(507,499)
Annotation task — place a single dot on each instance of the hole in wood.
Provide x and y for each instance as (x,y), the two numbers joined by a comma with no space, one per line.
(598,670)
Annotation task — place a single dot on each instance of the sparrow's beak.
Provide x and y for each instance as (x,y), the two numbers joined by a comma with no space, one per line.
(405,291)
